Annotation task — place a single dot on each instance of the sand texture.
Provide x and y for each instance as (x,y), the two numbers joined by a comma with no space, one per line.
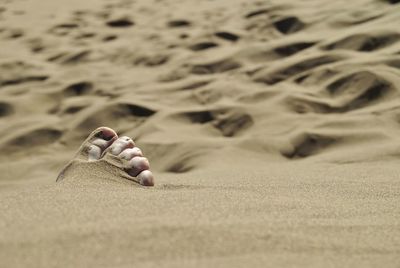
(272,128)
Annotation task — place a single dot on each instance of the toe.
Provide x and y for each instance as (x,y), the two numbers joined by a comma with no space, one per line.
(94,152)
(120,145)
(146,178)
(98,146)
(136,165)
(99,140)
(105,133)
(130,153)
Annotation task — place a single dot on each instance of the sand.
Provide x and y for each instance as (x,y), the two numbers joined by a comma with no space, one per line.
(272,128)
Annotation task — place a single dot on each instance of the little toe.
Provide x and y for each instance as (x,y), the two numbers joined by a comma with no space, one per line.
(119,145)
(146,178)
(98,141)
(137,165)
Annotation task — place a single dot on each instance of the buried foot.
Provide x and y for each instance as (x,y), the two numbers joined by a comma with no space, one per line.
(106,153)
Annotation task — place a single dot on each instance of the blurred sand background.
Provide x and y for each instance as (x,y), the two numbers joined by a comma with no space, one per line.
(272,127)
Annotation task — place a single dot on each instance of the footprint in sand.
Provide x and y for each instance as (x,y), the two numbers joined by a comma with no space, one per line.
(104,154)
(289,25)
(5,109)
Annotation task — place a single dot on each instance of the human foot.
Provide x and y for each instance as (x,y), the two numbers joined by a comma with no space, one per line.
(113,153)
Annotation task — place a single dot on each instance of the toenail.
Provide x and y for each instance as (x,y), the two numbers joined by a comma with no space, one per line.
(108,138)
(105,135)
(102,136)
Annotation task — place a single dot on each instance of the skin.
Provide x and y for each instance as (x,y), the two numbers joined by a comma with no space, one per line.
(105,140)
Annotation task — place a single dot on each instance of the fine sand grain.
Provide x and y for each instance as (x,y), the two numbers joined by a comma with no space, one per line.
(272,128)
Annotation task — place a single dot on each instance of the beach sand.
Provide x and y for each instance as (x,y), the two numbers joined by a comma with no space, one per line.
(272,129)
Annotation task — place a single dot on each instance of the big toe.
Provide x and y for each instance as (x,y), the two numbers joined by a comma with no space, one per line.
(97,142)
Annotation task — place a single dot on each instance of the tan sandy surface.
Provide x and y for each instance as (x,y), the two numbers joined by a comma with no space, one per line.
(272,127)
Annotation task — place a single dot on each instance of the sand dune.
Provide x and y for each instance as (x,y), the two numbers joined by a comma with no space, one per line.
(272,128)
